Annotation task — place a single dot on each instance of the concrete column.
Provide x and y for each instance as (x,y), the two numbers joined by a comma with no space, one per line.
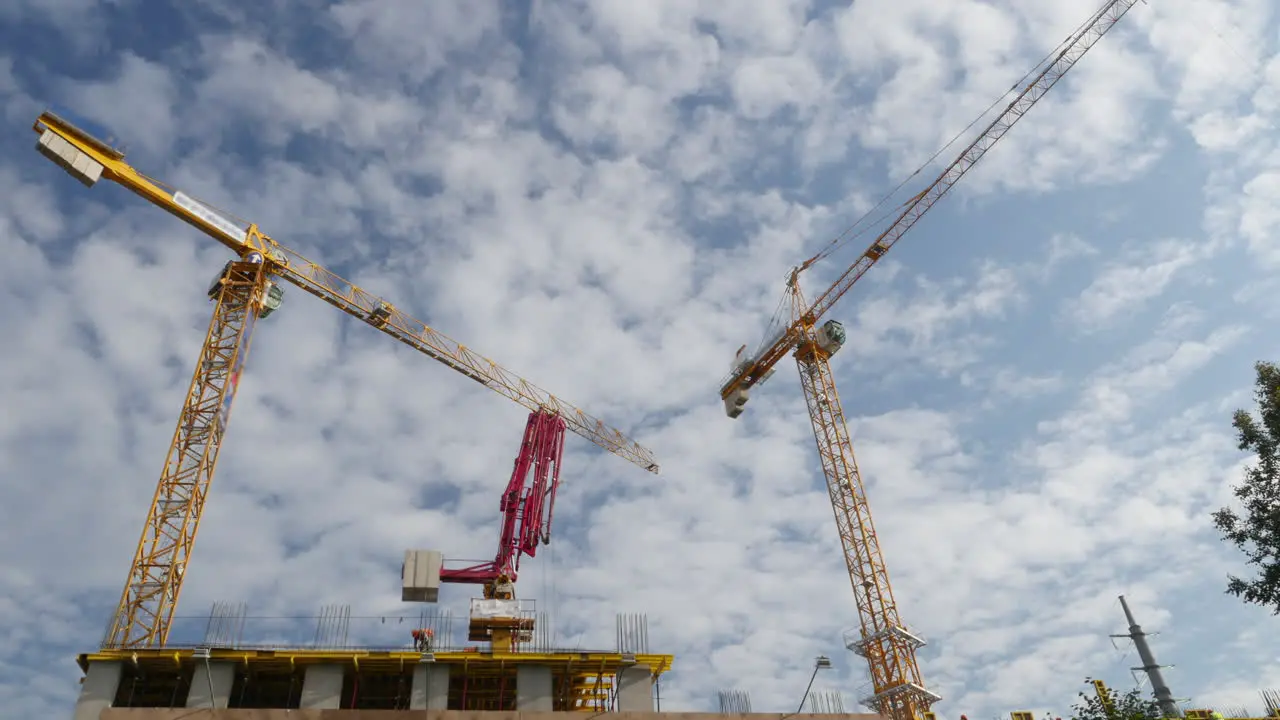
(216,675)
(635,689)
(430,689)
(322,687)
(99,690)
(533,688)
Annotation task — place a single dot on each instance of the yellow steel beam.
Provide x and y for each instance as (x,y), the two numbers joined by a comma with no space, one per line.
(602,663)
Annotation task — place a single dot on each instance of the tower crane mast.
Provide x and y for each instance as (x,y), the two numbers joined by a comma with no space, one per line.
(247,289)
(898,690)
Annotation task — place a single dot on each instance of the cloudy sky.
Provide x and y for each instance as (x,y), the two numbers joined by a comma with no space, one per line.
(605,197)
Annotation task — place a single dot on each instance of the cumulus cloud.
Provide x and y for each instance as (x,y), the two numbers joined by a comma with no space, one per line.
(1124,287)
(606,197)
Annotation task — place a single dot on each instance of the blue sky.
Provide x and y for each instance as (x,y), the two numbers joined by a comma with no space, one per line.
(605,197)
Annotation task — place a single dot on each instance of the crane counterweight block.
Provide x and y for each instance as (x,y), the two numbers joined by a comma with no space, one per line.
(79,165)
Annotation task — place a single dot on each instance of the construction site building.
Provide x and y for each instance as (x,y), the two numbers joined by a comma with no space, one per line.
(169,682)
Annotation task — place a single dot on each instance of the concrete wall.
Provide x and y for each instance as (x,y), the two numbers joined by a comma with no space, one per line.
(185,714)
(430,689)
(99,690)
(533,688)
(635,689)
(219,677)
(322,687)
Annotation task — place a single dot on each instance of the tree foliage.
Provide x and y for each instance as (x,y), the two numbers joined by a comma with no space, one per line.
(1131,705)
(1255,530)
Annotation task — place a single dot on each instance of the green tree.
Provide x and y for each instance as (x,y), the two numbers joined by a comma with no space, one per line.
(1131,705)
(1256,531)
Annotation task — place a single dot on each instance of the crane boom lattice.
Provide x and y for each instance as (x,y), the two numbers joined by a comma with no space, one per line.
(898,691)
(1075,49)
(416,334)
(754,370)
(89,159)
(151,593)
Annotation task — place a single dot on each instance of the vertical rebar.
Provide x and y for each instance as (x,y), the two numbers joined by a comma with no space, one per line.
(238,638)
(826,702)
(542,633)
(211,625)
(333,626)
(315,642)
(734,702)
(225,624)
(1271,699)
(632,633)
(346,625)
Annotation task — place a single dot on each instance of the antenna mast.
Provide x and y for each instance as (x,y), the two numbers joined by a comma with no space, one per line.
(1164,698)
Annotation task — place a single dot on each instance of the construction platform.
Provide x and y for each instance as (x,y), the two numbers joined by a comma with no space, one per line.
(433,715)
(120,683)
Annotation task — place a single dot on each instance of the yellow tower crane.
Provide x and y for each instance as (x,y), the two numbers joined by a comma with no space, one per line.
(898,691)
(244,291)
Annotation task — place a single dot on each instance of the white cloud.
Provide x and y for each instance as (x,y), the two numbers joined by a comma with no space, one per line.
(764,86)
(1007,383)
(1212,48)
(148,113)
(1068,247)
(1260,219)
(1123,289)
(415,39)
(605,197)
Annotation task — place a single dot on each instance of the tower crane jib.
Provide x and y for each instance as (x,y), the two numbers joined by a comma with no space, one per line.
(753,370)
(889,647)
(245,290)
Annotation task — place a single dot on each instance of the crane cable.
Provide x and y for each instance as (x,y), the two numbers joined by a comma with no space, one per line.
(849,235)
(173,191)
(775,321)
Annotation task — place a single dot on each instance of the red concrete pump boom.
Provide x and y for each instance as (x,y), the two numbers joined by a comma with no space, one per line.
(526,512)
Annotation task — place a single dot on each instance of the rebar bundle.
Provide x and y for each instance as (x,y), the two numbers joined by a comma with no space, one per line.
(826,702)
(332,626)
(633,633)
(1271,698)
(226,625)
(735,702)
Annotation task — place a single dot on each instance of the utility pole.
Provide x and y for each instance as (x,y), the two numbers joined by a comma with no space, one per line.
(1164,698)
